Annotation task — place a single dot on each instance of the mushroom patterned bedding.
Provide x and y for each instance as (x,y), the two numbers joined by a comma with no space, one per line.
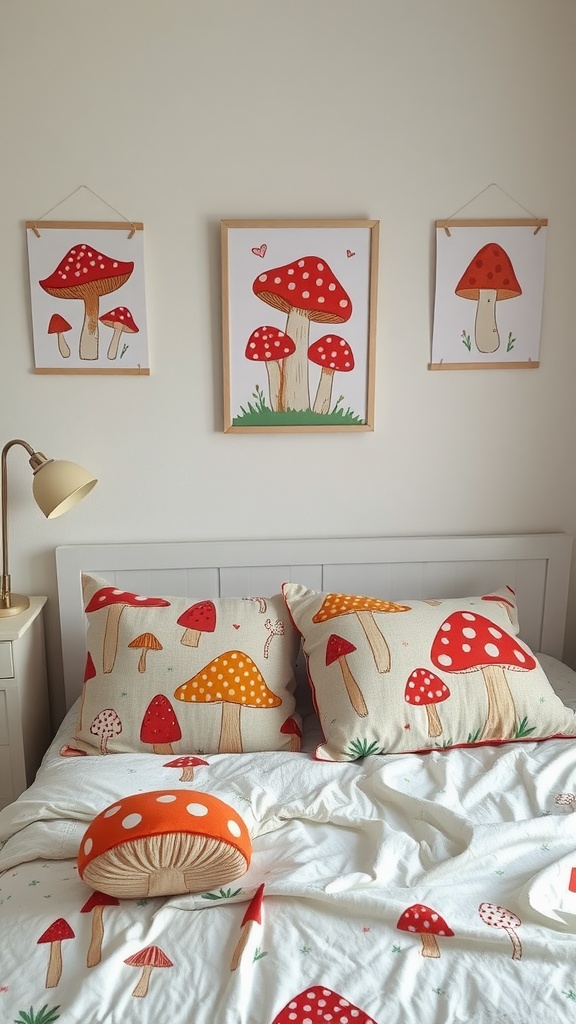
(437,887)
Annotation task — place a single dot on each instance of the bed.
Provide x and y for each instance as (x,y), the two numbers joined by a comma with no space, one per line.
(409,848)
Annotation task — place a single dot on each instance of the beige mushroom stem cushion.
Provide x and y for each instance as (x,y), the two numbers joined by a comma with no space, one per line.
(164,843)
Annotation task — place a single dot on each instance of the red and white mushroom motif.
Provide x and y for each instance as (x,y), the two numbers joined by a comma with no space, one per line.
(115,601)
(505,603)
(58,325)
(253,915)
(428,924)
(291,728)
(468,642)
(364,607)
(163,843)
(56,934)
(501,917)
(488,278)
(120,319)
(425,689)
(306,290)
(160,726)
(197,619)
(187,763)
(86,274)
(271,346)
(333,355)
(320,1005)
(95,905)
(147,959)
(106,725)
(337,649)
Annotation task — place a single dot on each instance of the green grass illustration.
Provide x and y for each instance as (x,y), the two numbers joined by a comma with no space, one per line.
(258,414)
(46,1015)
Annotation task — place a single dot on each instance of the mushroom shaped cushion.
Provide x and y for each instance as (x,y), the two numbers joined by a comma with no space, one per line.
(163,843)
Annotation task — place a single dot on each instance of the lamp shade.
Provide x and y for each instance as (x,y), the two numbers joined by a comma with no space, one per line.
(59,485)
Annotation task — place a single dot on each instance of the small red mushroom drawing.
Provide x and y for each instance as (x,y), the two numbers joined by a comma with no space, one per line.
(55,935)
(95,905)
(160,726)
(291,728)
(106,725)
(337,649)
(120,319)
(333,355)
(306,289)
(501,917)
(86,274)
(197,619)
(252,916)
(572,882)
(145,642)
(115,601)
(425,689)
(58,325)
(187,763)
(364,608)
(147,959)
(489,278)
(428,924)
(318,1003)
(468,642)
(271,346)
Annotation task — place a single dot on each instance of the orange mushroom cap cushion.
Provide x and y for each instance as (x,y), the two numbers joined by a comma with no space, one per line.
(164,843)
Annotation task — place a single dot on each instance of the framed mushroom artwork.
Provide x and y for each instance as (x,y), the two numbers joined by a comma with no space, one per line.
(489,294)
(299,323)
(88,297)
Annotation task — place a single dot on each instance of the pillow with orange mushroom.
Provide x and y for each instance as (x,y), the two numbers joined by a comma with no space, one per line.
(399,676)
(179,676)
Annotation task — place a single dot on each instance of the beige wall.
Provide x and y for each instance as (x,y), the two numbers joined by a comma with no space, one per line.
(183,112)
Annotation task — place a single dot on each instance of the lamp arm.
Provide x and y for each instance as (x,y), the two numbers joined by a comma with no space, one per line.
(5,450)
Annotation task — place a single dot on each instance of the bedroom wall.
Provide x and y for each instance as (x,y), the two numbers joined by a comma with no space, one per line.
(182,112)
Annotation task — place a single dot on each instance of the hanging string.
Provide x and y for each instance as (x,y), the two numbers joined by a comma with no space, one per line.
(34,226)
(539,222)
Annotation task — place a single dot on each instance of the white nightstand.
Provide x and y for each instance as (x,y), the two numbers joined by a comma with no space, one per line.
(24,710)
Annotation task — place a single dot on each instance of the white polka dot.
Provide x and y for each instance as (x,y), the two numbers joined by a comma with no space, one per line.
(444,659)
(112,810)
(198,810)
(234,828)
(88,846)
(131,820)
(491,650)
(166,798)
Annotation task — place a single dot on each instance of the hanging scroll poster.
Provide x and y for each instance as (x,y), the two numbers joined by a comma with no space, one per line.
(489,294)
(88,297)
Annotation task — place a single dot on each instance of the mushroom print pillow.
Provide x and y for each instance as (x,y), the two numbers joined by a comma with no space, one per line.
(399,676)
(179,676)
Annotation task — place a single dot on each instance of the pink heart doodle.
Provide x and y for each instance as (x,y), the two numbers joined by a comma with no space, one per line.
(349,253)
(260,250)
(236,625)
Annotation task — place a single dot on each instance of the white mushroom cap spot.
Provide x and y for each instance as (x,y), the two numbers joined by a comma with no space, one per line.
(166,798)
(197,810)
(234,828)
(491,650)
(131,820)
(112,810)
(88,846)
(444,659)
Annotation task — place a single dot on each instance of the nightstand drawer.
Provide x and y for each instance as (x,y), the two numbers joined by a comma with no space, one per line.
(6,661)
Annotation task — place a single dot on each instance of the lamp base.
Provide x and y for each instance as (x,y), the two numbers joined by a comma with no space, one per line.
(13,604)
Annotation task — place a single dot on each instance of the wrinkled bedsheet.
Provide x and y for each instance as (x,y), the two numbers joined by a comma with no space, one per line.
(437,888)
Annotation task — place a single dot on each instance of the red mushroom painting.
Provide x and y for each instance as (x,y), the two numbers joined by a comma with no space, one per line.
(318,1003)
(115,601)
(59,326)
(95,905)
(160,726)
(489,278)
(187,763)
(468,642)
(424,689)
(364,608)
(428,924)
(120,319)
(85,274)
(252,916)
(333,355)
(337,649)
(197,619)
(147,959)
(55,935)
(271,346)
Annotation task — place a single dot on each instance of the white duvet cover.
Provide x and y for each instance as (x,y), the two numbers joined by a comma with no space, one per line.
(473,851)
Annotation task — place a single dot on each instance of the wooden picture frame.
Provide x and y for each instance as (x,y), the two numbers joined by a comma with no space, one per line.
(305,292)
(87,295)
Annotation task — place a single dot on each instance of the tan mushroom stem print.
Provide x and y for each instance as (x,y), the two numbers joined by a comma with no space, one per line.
(305,290)
(500,917)
(428,924)
(425,689)
(59,326)
(468,642)
(145,642)
(120,320)
(364,607)
(337,649)
(55,935)
(234,681)
(115,601)
(95,906)
(489,278)
(147,959)
(252,916)
(86,274)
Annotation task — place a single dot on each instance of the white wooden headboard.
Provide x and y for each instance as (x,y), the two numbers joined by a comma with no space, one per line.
(537,566)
